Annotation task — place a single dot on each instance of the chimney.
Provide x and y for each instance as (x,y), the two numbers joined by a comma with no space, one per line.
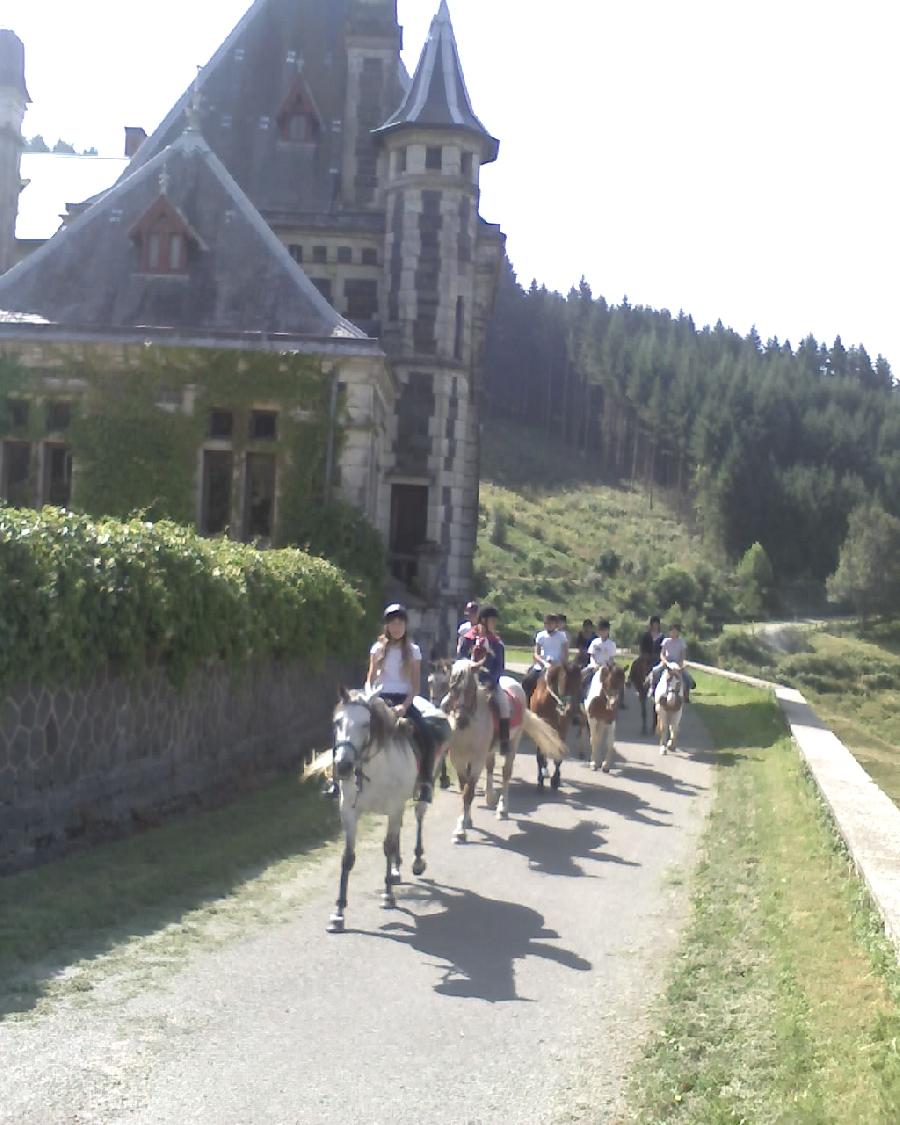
(134,138)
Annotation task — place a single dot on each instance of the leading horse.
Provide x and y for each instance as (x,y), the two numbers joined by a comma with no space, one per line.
(602,705)
(557,700)
(376,767)
(669,700)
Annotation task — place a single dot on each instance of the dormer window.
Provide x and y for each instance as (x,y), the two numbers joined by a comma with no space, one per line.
(164,238)
(298,119)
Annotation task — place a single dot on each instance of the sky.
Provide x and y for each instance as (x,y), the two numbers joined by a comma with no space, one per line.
(737,159)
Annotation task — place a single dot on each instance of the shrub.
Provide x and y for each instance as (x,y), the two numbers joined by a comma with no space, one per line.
(744,648)
(609,563)
(675,584)
(77,595)
(498,524)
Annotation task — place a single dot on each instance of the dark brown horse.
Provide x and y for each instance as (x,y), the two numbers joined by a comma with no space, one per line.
(637,676)
(557,700)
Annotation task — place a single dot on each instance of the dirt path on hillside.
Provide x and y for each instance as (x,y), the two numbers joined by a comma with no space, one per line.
(515,976)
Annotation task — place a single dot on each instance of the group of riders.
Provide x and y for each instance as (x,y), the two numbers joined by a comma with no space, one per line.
(395,666)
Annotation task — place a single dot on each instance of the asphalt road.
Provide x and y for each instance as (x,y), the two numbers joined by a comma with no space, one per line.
(511,985)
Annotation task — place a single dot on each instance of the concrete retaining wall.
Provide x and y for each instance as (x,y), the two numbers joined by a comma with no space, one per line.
(866,817)
(78,765)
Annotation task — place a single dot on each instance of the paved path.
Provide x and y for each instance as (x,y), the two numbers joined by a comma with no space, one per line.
(510,986)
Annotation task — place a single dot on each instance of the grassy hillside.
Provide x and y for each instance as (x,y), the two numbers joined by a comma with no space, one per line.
(553,536)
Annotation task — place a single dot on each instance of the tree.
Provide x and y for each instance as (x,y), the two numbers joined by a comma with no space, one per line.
(64,147)
(756,581)
(868,573)
(36,144)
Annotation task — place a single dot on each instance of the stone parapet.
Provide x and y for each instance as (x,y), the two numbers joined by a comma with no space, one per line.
(79,765)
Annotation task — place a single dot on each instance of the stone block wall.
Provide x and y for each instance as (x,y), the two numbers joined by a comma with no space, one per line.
(83,764)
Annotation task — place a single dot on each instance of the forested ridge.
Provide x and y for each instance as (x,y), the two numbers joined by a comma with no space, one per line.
(755,442)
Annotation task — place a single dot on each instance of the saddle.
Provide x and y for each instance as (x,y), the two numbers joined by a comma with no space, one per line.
(516,712)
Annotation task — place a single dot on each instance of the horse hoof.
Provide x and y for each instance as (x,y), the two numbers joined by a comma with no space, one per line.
(388,902)
(502,814)
(663,750)
(555,781)
(605,768)
(459,837)
(594,766)
(467,823)
(445,783)
(418,868)
(491,801)
(336,924)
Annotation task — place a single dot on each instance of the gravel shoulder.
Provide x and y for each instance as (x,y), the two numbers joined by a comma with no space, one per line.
(511,984)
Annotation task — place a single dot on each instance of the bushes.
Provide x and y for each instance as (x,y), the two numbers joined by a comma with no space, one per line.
(78,594)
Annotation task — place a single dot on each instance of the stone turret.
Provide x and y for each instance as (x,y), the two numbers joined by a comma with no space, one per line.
(433,148)
(13,101)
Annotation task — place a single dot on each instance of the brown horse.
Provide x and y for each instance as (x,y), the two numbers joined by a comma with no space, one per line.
(557,700)
(637,676)
(604,697)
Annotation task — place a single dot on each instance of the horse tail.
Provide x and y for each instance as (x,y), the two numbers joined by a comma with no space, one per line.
(543,736)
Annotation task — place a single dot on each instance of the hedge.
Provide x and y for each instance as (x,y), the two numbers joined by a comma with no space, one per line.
(79,594)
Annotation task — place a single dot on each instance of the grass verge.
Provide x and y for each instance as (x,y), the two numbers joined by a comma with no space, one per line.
(146,901)
(784,1003)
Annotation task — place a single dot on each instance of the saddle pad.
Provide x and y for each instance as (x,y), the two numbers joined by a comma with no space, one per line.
(517,707)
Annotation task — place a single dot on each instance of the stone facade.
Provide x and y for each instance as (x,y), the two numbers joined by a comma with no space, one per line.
(78,765)
(371,180)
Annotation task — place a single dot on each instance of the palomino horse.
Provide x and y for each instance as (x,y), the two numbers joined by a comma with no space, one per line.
(472,747)
(669,707)
(638,675)
(557,700)
(602,705)
(377,770)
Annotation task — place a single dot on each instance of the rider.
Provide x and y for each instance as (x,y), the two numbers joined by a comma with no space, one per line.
(551,646)
(651,641)
(586,634)
(395,672)
(673,651)
(483,646)
(601,652)
(466,626)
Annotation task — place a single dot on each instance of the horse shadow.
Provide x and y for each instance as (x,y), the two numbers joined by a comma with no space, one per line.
(555,850)
(475,942)
(588,798)
(665,781)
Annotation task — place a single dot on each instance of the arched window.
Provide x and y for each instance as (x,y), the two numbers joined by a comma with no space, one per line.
(164,238)
(298,119)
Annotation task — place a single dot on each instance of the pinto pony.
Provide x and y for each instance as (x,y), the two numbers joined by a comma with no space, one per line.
(556,700)
(669,707)
(472,747)
(602,705)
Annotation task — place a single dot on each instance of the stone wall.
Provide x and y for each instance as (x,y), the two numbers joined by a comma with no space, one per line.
(81,765)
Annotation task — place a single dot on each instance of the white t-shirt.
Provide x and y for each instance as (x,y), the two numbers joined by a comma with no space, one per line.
(551,646)
(392,680)
(602,652)
(464,628)
(674,649)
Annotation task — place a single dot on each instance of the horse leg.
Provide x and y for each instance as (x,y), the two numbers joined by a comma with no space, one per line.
(445,775)
(503,805)
(467,785)
(419,864)
(491,796)
(595,743)
(610,746)
(643,698)
(336,923)
(556,780)
(392,859)
(542,769)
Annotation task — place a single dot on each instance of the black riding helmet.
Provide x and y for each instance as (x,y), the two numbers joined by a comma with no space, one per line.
(485,612)
(395,612)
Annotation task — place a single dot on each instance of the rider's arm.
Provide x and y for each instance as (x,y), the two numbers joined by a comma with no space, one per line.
(372,673)
(538,658)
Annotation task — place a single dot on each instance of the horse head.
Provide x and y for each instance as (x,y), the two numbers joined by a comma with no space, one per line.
(462,693)
(564,687)
(612,684)
(439,681)
(360,721)
(674,693)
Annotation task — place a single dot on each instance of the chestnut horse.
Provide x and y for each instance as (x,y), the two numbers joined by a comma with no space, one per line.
(602,704)
(637,676)
(557,700)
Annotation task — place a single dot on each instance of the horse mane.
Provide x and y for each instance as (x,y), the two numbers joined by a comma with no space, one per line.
(384,721)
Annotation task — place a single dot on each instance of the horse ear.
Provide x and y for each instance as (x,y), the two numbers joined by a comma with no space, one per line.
(344,694)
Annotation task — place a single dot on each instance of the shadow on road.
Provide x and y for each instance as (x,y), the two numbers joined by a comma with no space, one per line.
(583,797)
(476,941)
(647,775)
(555,850)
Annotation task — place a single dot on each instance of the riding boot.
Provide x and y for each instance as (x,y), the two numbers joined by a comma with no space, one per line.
(504,736)
(332,790)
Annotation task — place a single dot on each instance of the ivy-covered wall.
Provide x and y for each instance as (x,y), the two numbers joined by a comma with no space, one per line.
(140,421)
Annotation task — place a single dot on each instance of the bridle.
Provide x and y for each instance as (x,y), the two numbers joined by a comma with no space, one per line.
(463,703)
(563,702)
(361,754)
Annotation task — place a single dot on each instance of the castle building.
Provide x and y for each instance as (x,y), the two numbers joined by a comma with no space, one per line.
(304,196)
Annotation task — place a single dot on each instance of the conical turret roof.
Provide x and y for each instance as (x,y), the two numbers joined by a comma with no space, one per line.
(438,98)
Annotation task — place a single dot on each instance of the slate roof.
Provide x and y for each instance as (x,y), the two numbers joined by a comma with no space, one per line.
(241,278)
(438,97)
(54,181)
(245,84)
(12,63)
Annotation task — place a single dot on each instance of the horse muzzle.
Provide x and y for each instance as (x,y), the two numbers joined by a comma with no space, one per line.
(343,766)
